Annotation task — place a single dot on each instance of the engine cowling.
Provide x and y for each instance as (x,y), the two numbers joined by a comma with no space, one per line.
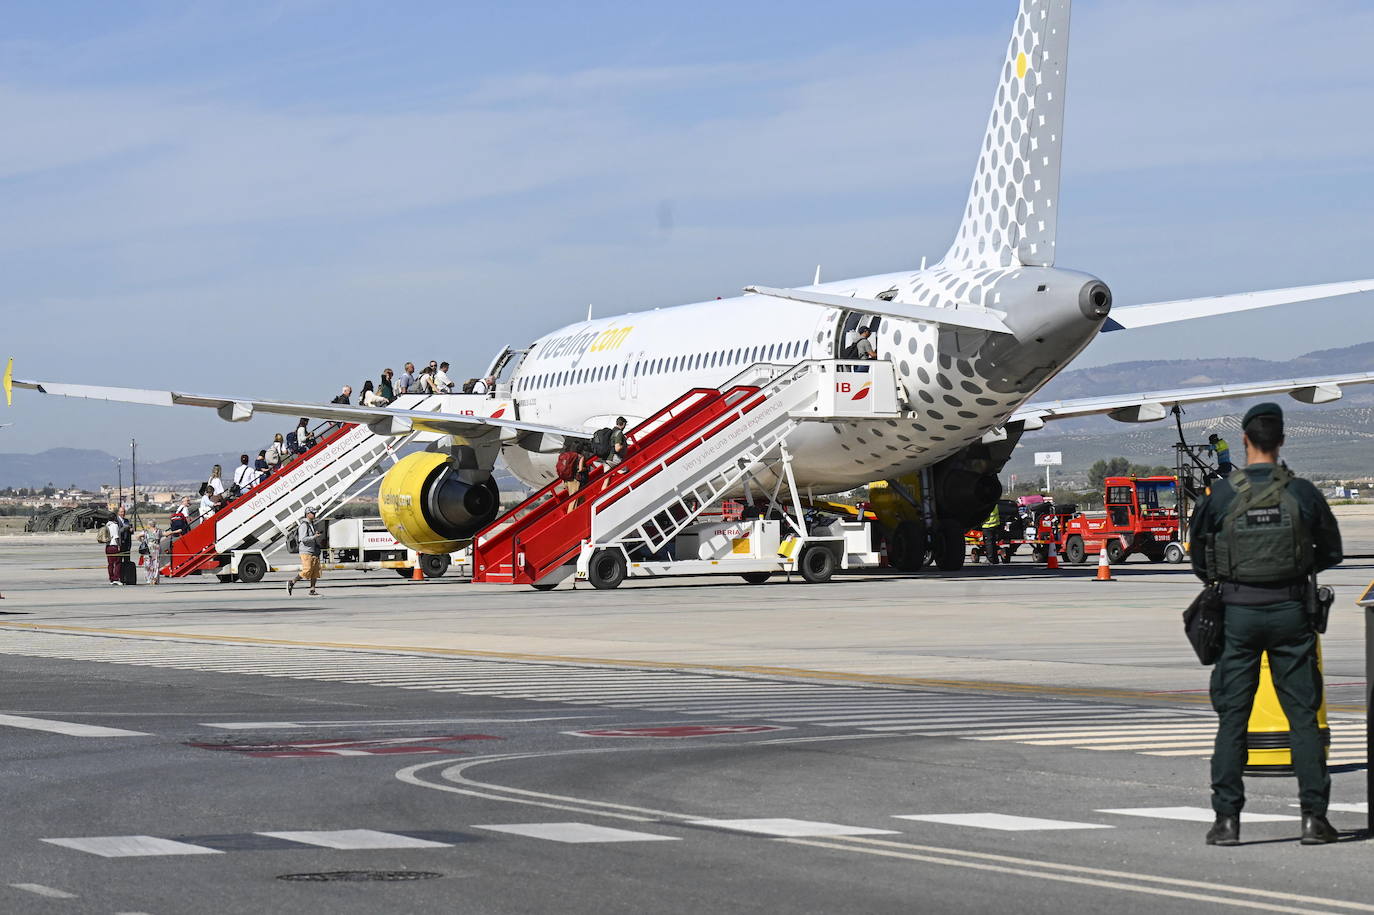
(432,506)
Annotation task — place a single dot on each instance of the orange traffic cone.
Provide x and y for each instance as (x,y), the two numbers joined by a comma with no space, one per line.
(417,574)
(1052,557)
(1104,566)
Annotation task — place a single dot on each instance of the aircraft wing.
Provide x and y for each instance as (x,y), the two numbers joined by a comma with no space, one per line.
(1130,317)
(1156,405)
(381,420)
(970,317)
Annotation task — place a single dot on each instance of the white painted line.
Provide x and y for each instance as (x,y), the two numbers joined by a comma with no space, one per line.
(788,828)
(70,728)
(1001,821)
(1021,724)
(39,889)
(1123,731)
(1206,752)
(1362,807)
(1195,814)
(132,846)
(1205,745)
(576,833)
(354,839)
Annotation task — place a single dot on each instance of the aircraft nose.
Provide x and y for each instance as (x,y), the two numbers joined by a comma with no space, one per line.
(1095,300)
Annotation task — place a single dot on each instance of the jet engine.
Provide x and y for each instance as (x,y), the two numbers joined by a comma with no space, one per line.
(435,503)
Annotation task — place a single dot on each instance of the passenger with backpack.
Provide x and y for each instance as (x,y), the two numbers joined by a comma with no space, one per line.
(295,439)
(277,453)
(620,444)
(181,517)
(1261,535)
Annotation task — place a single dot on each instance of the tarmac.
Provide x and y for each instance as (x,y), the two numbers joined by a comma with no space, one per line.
(1000,737)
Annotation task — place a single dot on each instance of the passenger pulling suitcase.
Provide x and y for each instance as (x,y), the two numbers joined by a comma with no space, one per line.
(128,571)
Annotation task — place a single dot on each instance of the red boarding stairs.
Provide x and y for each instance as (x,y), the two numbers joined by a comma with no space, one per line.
(545,532)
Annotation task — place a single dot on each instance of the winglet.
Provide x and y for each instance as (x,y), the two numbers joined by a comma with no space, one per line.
(9,383)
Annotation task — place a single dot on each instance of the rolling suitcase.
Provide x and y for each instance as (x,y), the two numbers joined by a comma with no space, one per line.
(128,571)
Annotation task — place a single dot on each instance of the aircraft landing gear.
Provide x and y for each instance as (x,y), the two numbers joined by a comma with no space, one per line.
(949,546)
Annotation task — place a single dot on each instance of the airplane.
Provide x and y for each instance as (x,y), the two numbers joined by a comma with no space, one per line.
(971,339)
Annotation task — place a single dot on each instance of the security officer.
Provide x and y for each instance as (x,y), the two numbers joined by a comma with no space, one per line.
(1260,532)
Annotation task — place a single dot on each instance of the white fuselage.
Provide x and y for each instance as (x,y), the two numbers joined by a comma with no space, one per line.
(586,374)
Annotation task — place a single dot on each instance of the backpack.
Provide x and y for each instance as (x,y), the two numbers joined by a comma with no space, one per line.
(103,535)
(850,352)
(203,487)
(566,468)
(1263,537)
(273,456)
(601,443)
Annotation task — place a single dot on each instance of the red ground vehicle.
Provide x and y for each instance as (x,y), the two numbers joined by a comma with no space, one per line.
(1141,516)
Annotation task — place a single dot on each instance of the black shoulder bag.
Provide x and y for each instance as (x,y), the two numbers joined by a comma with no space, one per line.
(1204,623)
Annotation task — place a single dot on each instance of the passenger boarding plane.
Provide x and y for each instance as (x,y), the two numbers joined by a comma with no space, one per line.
(970,340)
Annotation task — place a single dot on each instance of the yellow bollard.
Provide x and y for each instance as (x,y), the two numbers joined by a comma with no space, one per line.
(1270,748)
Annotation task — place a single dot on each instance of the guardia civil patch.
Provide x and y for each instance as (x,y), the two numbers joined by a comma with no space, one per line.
(1263,517)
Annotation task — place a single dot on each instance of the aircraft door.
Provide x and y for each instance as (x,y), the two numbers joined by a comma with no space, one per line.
(624,370)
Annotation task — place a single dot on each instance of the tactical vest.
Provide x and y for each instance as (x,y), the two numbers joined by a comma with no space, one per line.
(1263,538)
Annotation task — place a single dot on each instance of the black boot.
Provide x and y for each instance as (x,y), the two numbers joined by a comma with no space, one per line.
(1317,830)
(1226,830)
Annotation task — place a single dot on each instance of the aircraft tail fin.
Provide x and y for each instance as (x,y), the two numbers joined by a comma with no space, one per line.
(1013,205)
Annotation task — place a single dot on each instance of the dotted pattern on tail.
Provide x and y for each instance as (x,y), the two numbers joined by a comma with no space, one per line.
(1011,212)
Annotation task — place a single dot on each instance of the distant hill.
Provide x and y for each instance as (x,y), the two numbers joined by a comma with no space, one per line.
(1159,374)
(88,469)
(1333,440)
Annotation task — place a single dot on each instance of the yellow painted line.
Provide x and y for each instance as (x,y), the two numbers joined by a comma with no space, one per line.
(803,673)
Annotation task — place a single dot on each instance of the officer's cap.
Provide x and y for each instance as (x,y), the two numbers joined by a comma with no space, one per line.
(1268,408)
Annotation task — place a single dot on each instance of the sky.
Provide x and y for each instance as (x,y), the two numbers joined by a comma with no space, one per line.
(273,199)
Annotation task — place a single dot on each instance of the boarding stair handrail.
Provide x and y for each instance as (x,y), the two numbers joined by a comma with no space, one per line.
(320,478)
(542,532)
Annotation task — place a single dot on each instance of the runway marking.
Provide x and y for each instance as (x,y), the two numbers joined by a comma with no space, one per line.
(1054,721)
(577,833)
(1195,814)
(1361,807)
(70,728)
(1040,869)
(355,839)
(395,722)
(39,889)
(782,827)
(805,673)
(1065,873)
(131,846)
(1000,821)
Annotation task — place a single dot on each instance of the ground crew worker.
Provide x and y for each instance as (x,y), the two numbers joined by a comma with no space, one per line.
(1223,453)
(308,543)
(992,529)
(1261,533)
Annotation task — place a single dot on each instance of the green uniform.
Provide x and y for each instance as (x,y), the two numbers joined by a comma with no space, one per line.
(1267,617)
